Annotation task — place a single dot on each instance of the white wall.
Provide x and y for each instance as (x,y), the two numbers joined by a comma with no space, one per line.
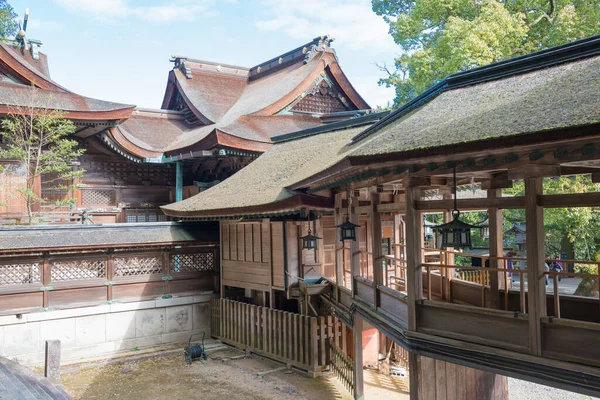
(92,332)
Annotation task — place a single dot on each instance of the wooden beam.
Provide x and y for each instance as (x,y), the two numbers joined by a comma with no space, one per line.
(391,207)
(376,247)
(414,255)
(570,200)
(471,204)
(413,376)
(496,248)
(536,286)
(498,181)
(355,250)
(534,171)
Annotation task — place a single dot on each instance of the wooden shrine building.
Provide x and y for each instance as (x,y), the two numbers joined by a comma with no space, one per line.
(215,119)
(528,118)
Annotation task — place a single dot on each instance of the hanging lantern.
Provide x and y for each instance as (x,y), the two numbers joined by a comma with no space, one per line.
(456,233)
(309,241)
(347,230)
(484,228)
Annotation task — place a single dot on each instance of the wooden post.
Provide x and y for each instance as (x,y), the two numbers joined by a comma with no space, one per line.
(179,181)
(339,252)
(413,375)
(414,255)
(376,249)
(535,262)
(497,279)
(359,388)
(46,279)
(354,249)
(110,275)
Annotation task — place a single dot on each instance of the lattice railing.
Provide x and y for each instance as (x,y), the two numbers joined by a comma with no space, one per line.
(97,197)
(139,265)
(343,366)
(73,270)
(20,273)
(192,262)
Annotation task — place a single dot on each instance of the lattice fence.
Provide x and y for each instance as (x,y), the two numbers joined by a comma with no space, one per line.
(140,265)
(97,197)
(72,270)
(193,262)
(20,273)
(343,366)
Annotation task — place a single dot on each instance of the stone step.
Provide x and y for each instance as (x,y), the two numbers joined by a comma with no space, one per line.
(19,383)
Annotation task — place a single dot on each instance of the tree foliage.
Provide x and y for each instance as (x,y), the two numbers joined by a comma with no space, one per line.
(442,37)
(36,138)
(8,22)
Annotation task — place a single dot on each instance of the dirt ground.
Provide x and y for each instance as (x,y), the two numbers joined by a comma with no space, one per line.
(169,377)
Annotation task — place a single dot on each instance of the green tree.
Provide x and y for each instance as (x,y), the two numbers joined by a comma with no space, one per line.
(36,138)
(442,37)
(8,20)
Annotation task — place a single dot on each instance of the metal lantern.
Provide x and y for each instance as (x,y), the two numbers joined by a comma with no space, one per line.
(456,233)
(309,241)
(347,230)
(484,228)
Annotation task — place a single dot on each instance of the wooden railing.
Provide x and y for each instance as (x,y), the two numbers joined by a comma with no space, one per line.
(291,338)
(28,283)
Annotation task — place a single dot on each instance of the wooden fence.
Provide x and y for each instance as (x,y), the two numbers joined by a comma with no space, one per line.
(343,366)
(294,339)
(29,283)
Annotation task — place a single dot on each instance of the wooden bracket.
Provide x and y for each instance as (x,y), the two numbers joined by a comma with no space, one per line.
(498,181)
(534,171)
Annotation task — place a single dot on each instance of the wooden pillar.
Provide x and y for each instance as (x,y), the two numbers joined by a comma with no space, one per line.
(413,375)
(398,234)
(179,181)
(46,280)
(496,248)
(376,249)
(447,258)
(354,248)
(339,247)
(414,255)
(359,387)
(536,287)
(110,274)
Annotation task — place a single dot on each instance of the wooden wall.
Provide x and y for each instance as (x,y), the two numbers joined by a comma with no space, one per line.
(439,380)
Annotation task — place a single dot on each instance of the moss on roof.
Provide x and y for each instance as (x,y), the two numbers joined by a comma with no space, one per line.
(561,96)
(266,180)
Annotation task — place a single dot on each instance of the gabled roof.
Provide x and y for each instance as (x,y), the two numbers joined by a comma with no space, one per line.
(247,106)
(26,83)
(263,186)
(548,90)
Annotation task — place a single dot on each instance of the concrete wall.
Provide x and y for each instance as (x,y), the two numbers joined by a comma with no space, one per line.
(104,331)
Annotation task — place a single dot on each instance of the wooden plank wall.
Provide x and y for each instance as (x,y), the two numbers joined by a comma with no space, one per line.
(439,380)
(246,255)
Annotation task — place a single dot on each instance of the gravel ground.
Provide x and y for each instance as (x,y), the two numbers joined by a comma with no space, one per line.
(522,390)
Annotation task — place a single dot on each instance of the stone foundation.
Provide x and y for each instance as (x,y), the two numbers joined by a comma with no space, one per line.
(104,331)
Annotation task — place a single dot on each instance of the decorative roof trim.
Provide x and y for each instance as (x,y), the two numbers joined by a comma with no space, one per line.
(515,66)
(112,144)
(365,119)
(305,53)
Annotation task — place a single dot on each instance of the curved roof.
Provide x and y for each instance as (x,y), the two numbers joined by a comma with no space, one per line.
(28,85)
(247,105)
(263,185)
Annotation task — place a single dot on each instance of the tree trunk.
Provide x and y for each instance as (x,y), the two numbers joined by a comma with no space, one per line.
(567,247)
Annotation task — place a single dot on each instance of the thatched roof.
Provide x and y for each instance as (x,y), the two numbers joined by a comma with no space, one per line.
(264,183)
(549,90)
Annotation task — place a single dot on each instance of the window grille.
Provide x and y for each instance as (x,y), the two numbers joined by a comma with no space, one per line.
(193,262)
(132,266)
(67,270)
(99,197)
(20,273)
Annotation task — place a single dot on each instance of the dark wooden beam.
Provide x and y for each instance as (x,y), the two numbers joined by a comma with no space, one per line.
(471,204)
(498,181)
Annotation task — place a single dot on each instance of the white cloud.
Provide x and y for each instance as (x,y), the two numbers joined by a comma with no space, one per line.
(110,10)
(374,94)
(44,25)
(351,22)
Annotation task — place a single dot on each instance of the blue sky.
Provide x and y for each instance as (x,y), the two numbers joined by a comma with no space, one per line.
(119,50)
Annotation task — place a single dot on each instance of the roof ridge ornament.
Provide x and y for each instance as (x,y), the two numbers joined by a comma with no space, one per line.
(321,44)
